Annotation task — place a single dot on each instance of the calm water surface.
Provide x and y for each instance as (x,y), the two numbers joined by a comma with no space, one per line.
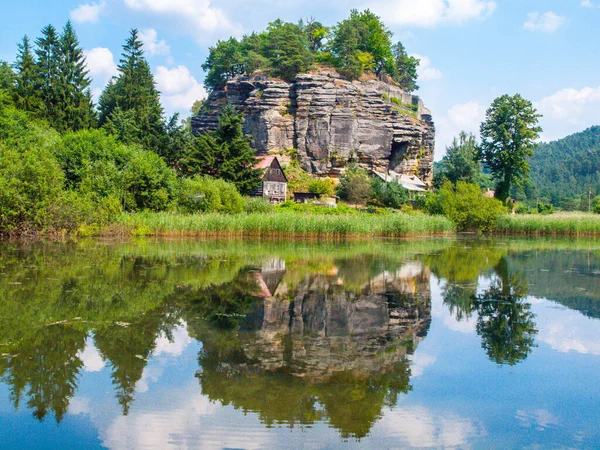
(451,343)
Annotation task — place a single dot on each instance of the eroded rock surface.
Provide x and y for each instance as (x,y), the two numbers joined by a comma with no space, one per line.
(330,121)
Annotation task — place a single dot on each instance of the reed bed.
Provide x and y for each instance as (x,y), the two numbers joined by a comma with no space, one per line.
(564,224)
(285,225)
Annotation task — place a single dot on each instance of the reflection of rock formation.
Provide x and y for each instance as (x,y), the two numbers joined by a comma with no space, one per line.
(319,329)
(314,342)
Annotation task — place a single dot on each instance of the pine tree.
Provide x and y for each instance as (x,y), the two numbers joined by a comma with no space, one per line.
(48,73)
(75,98)
(224,153)
(135,90)
(7,77)
(26,94)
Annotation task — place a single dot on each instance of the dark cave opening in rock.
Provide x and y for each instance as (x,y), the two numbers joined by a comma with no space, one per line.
(399,150)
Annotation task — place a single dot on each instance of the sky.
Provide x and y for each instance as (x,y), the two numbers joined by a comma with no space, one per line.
(471,51)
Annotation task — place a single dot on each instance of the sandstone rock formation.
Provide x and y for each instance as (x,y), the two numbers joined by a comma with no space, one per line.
(330,121)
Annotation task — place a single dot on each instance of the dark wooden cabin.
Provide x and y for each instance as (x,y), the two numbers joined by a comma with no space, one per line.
(274,182)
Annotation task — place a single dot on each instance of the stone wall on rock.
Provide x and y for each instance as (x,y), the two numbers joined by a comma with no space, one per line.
(331,121)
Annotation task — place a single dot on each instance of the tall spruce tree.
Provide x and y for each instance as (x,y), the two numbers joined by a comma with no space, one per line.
(26,94)
(73,89)
(48,73)
(7,77)
(134,92)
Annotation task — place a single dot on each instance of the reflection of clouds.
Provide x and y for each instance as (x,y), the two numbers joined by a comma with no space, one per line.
(189,424)
(79,405)
(418,427)
(149,375)
(90,356)
(568,331)
(181,340)
(441,311)
(419,362)
(540,418)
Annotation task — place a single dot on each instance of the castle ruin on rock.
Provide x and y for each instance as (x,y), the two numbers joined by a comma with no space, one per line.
(330,121)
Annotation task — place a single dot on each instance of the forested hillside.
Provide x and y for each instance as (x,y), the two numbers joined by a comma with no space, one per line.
(564,171)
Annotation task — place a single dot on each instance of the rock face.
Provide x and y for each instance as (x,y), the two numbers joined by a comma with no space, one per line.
(330,121)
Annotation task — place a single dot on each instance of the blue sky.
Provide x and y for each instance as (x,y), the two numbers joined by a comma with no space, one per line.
(472,50)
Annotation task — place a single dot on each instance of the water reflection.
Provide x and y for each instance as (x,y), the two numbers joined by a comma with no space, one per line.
(295,334)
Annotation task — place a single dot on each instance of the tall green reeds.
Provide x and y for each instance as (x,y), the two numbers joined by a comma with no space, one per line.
(284,224)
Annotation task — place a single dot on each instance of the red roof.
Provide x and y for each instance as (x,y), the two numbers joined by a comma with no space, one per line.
(264,162)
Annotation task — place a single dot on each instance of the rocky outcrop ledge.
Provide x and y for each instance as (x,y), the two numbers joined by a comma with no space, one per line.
(329,121)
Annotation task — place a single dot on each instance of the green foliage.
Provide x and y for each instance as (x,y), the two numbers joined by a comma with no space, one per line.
(545,209)
(567,169)
(355,185)
(359,44)
(258,205)
(74,212)
(8,78)
(508,137)
(206,194)
(391,195)
(596,205)
(322,186)
(225,153)
(460,162)
(298,178)
(405,72)
(26,92)
(30,180)
(130,104)
(147,182)
(466,206)
(287,50)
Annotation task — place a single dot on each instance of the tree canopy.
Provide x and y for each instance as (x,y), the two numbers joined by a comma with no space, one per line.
(508,139)
(356,45)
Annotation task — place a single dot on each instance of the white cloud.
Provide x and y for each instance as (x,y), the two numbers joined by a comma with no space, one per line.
(152,45)
(548,22)
(88,12)
(460,117)
(586,3)
(91,358)
(175,347)
(179,88)
(419,362)
(425,71)
(571,332)
(102,67)
(101,64)
(542,419)
(199,16)
(430,13)
(418,427)
(568,111)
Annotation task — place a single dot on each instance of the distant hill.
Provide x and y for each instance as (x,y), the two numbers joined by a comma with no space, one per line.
(568,168)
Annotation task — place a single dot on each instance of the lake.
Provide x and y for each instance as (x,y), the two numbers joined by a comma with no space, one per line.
(437,343)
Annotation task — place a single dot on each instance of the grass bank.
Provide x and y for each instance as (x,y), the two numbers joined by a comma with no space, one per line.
(563,224)
(284,225)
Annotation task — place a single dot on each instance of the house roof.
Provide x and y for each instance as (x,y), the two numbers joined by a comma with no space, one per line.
(409,182)
(264,162)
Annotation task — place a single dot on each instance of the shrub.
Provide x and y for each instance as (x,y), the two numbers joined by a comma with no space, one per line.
(391,195)
(545,208)
(206,194)
(30,180)
(73,211)
(148,182)
(322,186)
(596,205)
(355,185)
(258,205)
(466,206)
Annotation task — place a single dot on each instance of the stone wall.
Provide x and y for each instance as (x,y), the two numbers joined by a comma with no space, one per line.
(330,121)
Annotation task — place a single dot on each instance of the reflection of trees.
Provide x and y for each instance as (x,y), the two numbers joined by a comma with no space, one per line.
(505,322)
(318,353)
(46,369)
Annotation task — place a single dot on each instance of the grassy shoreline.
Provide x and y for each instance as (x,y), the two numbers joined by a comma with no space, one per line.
(561,224)
(284,225)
